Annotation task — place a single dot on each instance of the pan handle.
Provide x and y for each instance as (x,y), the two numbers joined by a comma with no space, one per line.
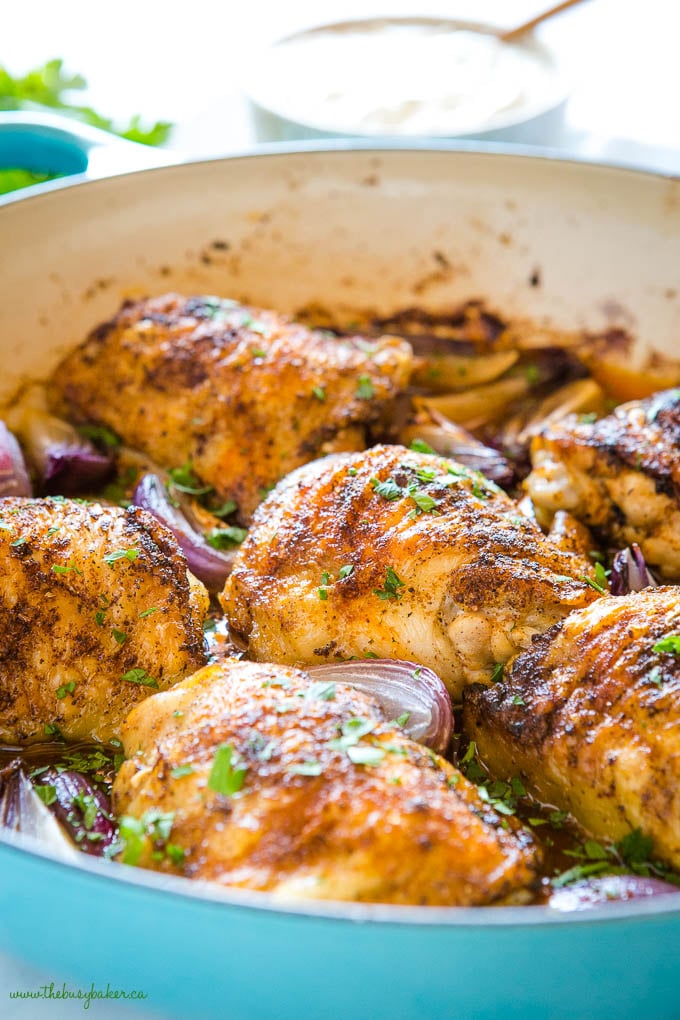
(49,143)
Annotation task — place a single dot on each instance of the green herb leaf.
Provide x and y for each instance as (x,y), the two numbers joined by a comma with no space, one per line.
(175,853)
(420,446)
(388,489)
(101,435)
(365,389)
(365,754)
(225,776)
(391,586)
(402,719)
(345,571)
(226,538)
(147,612)
(594,584)
(306,768)
(47,793)
(65,689)
(119,636)
(320,393)
(121,554)
(182,770)
(323,689)
(184,479)
(671,644)
(139,676)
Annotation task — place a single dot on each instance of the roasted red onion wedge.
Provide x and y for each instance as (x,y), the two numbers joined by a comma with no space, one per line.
(82,808)
(630,572)
(14,480)
(65,462)
(209,565)
(594,892)
(447,439)
(407,692)
(23,810)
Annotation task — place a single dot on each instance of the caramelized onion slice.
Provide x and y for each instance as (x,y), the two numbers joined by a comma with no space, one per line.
(594,892)
(209,565)
(14,480)
(405,691)
(630,572)
(450,440)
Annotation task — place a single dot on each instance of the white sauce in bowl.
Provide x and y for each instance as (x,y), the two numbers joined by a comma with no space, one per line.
(403,76)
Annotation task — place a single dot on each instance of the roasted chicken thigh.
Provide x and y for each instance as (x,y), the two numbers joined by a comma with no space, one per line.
(263,780)
(97,609)
(397,554)
(620,476)
(242,394)
(590,717)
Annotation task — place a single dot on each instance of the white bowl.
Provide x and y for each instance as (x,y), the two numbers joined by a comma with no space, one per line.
(403,77)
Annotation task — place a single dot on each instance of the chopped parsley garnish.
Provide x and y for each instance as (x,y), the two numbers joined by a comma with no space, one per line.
(402,719)
(52,531)
(365,389)
(52,730)
(258,352)
(133,832)
(306,768)
(19,541)
(323,689)
(352,732)
(101,435)
(99,617)
(182,770)
(345,571)
(119,636)
(88,808)
(121,554)
(209,625)
(532,374)
(424,502)
(71,568)
(147,612)
(365,755)
(226,538)
(47,793)
(655,677)
(632,853)
(518,700)
(391,586)
(184,479)
(420,446)
(175,853)
(670,644)
(594,584)
(226,509)
(323,594)
(497,672)
(65,689)
(320,393)
(388,490)
(226,777)
(139,676)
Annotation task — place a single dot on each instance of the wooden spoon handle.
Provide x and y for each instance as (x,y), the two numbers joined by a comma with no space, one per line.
(514,33)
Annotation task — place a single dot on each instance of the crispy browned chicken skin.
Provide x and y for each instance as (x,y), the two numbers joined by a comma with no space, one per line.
(590,716)
(74,625)
(243,394)
(399,555)
(308,821)
(620,476)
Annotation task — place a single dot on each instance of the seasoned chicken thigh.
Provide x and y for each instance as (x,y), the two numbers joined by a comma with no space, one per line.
(97,609)
(401,555)
(253,776)
(242,394)
(620,476)
(590,716)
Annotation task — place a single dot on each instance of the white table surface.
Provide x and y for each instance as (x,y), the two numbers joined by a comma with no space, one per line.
(177,63)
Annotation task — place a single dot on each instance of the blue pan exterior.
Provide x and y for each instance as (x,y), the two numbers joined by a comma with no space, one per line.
(195,957)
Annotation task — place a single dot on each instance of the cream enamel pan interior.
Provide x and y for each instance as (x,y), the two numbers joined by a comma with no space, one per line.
(347,229)
(562,244)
